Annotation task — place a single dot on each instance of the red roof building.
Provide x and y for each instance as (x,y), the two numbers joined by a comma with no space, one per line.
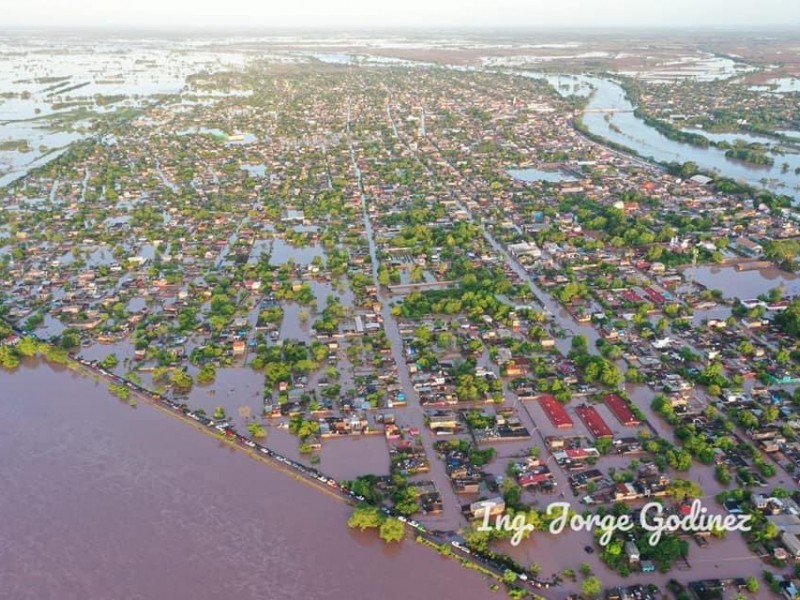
(556,412)
(619,407)
(594,422)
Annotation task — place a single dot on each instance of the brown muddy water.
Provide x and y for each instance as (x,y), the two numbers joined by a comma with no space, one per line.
(747,284)
(104,501)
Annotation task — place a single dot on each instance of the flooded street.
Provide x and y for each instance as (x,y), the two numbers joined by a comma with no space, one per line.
(249,323)
(102,500)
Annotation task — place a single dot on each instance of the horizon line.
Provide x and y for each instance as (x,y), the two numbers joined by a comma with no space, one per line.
(295,29)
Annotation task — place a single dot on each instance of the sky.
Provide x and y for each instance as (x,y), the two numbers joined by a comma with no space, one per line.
(355,14)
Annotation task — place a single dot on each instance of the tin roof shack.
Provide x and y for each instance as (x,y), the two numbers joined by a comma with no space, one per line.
(748,247)
(445,421)
(505,426)
(632,552)
(494,506)
(462,463)
(408,459)
(789,526)
(536,477)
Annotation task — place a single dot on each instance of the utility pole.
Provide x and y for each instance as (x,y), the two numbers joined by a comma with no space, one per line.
(693,269)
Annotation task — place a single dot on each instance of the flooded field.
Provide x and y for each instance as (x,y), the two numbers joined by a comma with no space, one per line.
(782,85)
(54,94)
(239,391)
(107,501)
(746,284)
(349,457)
(531,174)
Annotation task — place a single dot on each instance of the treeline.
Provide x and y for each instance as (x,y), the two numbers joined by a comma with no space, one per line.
(673,133)
(754,154)
(26,347)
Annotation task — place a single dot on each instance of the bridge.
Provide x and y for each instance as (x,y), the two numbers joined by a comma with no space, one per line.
(608,110)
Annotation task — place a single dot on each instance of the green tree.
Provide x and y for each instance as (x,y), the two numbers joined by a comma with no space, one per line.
(207,374)
(392,530)
(109,362)
(8,359)
(256,429)
(181,380)
(591,587)
(509,576)
(365,517)
(70,338)
(580,344)
(27,346)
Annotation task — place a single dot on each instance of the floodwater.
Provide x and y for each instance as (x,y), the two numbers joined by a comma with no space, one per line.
(282,252)
(733,137)
(782,85)
(347,457)
(102,500)
(239,391)
(746,284)
(623,127)
(531,174)
(723,558)
(702,66)
(255,170)
(54,79)
(786,158)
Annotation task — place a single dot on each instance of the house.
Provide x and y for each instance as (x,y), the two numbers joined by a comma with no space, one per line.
(534,479)
(749,247)
(701,179)
(789,526)
(525,249)
(293,216)
(495,506)
(625,491)
(780,554)
(632,551)
(466,486)
(442,420)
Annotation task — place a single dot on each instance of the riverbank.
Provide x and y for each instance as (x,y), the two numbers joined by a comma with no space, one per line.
(610,115)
